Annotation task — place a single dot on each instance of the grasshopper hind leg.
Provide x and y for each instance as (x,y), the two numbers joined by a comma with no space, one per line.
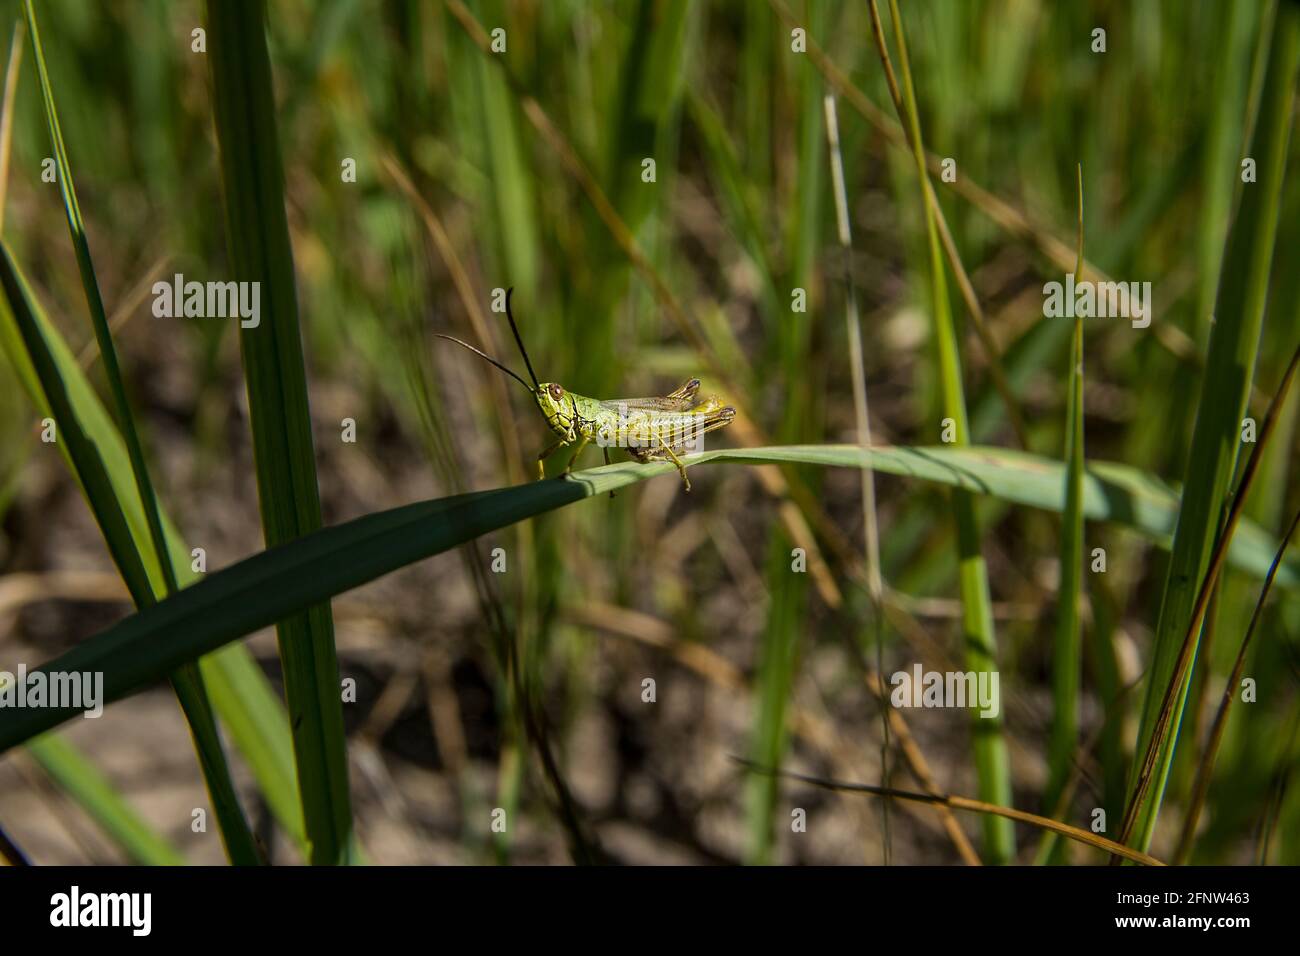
(681,469)
(664,453)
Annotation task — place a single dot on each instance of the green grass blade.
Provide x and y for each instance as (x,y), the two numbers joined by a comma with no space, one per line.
(1220,156)
(257,234)
(1234,343)
(1068,647)
(784,630)
(97,796)
(256,720)
(513,204)
(266,587)
(75,440)
(99,319)
(737,197)
(978,638)
(241,694)
(776,666)
(858,375)
(1205,767)
(649,91)
(1111,492)
(7,112)
(188,680)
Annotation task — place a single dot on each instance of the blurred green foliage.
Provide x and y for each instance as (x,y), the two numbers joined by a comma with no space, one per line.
(739,215)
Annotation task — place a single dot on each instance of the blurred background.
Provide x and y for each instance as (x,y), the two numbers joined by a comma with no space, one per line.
(471,178)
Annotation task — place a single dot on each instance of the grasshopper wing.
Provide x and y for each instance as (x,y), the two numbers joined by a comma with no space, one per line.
(676,401)
(665,435)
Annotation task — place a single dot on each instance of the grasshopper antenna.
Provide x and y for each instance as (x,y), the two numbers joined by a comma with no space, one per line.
(484,355)
(518,339)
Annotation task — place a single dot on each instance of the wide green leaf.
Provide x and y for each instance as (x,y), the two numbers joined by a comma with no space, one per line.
(264,588)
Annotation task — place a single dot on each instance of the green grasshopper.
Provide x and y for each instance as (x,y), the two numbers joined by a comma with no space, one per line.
(650,429)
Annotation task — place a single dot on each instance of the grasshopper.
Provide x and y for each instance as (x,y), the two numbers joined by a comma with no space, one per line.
(650,429)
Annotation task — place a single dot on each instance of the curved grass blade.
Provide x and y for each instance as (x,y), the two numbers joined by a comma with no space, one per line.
(99,320)
(1205,768)
(1216,441)
(1111,491)
(190,684)
(188,680)
(955,802)
(1168,715)
(7,114)
(260,590)
(102,495)
(240,692)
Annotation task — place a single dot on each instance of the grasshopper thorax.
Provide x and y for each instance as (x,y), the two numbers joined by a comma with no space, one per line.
(559,409)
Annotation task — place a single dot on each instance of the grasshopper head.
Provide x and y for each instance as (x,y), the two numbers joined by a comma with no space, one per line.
(558,408)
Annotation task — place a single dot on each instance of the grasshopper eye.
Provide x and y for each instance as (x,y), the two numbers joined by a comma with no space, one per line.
(556,392)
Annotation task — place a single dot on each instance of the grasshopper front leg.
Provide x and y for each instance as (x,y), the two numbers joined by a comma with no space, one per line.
(547,453)
(582,443)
